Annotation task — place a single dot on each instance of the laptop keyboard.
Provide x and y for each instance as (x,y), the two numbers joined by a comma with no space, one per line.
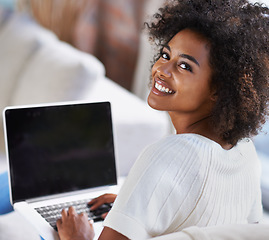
(53,212)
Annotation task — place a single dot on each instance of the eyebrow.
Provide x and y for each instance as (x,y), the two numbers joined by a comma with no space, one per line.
(191,58)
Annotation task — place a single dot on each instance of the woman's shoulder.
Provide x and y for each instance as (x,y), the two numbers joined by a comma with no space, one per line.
(179,149)
(194,148)
(173,144)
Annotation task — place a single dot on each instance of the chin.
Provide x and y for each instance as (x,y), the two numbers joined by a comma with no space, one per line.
(151,102)
(155,104)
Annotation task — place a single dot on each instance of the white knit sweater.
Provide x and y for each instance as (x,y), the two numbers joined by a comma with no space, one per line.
(185,180)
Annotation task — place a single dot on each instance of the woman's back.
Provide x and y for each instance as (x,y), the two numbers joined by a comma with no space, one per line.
(185,180)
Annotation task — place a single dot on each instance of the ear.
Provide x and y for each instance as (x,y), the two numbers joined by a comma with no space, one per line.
(214,95)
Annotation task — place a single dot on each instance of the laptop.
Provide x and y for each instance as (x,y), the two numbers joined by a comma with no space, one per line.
(58,153)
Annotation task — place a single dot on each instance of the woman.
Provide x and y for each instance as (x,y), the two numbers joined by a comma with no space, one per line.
(212,77)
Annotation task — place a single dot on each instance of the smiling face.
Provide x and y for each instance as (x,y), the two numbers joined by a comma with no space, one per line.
(181,77)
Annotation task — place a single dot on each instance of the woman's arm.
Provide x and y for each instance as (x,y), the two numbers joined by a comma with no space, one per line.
(75,226)
(110,234)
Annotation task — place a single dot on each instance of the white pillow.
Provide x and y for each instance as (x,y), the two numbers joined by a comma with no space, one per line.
(20,37)
(56,72)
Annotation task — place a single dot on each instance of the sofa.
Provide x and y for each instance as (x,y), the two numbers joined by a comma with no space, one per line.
(224,232)
(261,142)
(37,68)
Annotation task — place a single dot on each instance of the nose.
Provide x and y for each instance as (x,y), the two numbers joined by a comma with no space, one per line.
(165,70)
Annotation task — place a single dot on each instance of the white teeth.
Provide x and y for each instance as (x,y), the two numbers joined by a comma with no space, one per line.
(162,89)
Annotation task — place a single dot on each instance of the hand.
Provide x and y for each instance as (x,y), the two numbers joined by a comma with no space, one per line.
(75,226)
(97,202)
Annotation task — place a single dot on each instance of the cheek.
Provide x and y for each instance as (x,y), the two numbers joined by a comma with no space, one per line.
(153,73)
(154,69)
(194,90)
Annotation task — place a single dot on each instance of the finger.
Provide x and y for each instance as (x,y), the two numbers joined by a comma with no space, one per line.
(64,214)
(72,211)
(91,224)
(104,215)
(110,198)
(59,223)
(84,215)
(97,203)
(92,228)
(106,198)
(92,201)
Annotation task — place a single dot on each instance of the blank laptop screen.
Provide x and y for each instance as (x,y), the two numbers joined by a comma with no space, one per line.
(58,149)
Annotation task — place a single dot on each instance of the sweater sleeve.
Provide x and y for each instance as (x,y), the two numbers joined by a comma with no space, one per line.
(256,211)
(167,179)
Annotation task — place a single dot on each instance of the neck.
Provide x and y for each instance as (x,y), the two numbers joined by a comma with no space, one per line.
(199,125)
(188,123)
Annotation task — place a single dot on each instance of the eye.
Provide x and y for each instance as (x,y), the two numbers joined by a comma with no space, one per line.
(185,66)
(164,55)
